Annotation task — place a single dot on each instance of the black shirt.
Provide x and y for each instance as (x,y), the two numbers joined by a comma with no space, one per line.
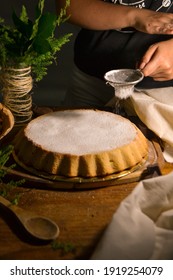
(96,52)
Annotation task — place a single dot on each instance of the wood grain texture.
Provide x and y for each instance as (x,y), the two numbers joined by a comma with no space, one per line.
(81,214)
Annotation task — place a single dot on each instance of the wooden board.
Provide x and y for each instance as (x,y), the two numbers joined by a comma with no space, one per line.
(43,180)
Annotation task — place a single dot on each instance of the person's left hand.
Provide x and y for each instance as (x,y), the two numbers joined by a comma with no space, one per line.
(157,62)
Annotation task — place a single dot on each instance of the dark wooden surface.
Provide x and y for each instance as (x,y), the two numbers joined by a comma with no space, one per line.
(82,216)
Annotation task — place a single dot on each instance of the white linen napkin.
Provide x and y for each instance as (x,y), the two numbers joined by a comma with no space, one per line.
(155,109)
(142,226)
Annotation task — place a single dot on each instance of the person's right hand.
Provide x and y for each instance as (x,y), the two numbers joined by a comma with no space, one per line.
(152,22)
(157,61)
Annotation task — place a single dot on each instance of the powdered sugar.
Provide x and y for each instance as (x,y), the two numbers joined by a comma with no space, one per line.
(80,132)
(123,81)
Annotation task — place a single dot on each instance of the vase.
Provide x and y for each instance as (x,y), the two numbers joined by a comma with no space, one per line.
(17,84)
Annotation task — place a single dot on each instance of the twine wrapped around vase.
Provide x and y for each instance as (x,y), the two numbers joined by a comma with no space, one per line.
(17,84)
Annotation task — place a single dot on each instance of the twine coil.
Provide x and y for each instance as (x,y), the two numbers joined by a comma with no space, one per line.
(17,85)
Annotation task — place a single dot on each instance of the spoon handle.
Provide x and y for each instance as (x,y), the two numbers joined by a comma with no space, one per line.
(20,213)
(4,201)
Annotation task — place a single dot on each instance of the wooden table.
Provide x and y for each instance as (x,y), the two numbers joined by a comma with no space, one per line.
(82,216)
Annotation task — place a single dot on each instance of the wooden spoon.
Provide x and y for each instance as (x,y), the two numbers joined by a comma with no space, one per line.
(38,226)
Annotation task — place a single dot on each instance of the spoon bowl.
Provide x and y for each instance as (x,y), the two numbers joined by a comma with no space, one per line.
(38,226)
(42,228)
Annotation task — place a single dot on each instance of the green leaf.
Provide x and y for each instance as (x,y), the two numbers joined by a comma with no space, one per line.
(24,15)
(46,28)
(56,44)
(41,45)
(62,17)
(39,9)
(4,154)
(46,25)
(24,28)
(38,13)
(1,20)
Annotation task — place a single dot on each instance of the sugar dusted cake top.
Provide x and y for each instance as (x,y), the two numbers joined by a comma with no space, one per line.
(80,132)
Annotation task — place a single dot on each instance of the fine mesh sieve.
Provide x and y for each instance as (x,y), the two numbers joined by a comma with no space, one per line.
(123,81)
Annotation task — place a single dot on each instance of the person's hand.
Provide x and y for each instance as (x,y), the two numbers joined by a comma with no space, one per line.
(152,22)
(101,15)
(157,62)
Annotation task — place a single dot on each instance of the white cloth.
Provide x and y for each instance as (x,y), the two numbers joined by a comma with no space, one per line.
(142,226)
(154,107)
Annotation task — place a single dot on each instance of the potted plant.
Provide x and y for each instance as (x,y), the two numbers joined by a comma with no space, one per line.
(27,48)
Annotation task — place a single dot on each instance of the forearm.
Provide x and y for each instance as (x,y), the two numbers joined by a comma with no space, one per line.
(100,15)
(97,14)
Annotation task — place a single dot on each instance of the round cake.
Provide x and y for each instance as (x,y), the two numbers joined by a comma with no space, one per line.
(80,142)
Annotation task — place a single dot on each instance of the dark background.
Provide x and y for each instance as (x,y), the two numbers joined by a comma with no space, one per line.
(51,90)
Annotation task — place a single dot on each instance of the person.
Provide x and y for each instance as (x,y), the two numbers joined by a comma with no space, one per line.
(117,34)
